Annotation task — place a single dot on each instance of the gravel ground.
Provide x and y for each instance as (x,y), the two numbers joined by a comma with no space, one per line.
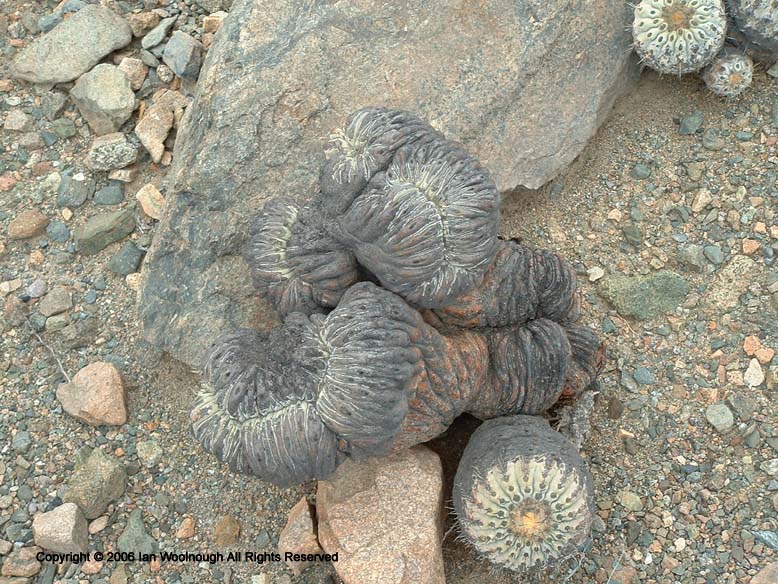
(678,499)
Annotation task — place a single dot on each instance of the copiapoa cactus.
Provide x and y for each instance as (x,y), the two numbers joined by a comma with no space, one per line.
(678,36)
(523,496)
(730,74)
(755,25)
(461,321)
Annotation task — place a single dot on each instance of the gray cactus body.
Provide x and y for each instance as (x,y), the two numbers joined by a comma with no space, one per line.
(523,496)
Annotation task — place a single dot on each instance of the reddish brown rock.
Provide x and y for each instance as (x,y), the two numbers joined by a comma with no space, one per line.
(27,224)
(299,535)
(22,562)
(226,532)
(383,517)
(187,528)
(95,396)
(767,575)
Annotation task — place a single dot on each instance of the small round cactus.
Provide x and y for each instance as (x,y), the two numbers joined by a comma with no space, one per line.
(523,496)
(729,75)
(755,25)
(678,36)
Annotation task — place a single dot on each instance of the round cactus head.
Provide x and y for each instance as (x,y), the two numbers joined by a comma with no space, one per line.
(522,494)
(678,36)
(729,75)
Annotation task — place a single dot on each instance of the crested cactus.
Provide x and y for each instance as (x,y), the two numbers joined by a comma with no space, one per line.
(461,321)
(523,496)
(678,36)
(755,25)
(729,75)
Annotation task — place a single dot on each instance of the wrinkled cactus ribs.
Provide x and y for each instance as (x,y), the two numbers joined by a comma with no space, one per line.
(402,310)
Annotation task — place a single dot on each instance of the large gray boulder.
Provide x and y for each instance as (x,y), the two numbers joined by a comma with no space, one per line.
(522,84)
(73,47)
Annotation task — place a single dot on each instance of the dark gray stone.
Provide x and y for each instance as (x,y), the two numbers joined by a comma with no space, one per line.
(644,376)
(714,253)
(640,171)
(72,192)
(58,231)
(134,538)
(691,123)
(184,55)
(645,297)
(110,195)
(72,48)
(102,230)
(540,79)
(126,260)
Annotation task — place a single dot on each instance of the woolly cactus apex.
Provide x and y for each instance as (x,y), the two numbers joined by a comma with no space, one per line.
(678,36)
(729,75)
(427,227)
(295,263)
(523,496)
(363,147)
(756,26)
(289,406)
(521,284)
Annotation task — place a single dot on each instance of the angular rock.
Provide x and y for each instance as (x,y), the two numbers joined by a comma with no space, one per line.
(56,301)
(104,97)
(63,529)
(383,516)
(731,281)
(72,48)
(767,575)
(152,130)
(134,538)
(95,395)
(645,297)
(149,453)
(22,562)
(102,230)
(110,195)
(17,121)
(720,417)
(693,255)
(151,201)
(212,22)
(754,376)
(184,55)
(158,33)
(126,260)
(226,531)
(142,22)
(299,536)
(533,94)
(96,484)
(73,191)
(111,151)
(27,224)
(136,71)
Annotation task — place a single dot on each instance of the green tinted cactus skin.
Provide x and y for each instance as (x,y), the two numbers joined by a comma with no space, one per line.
(523,496)
(729,75)
(678,36)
